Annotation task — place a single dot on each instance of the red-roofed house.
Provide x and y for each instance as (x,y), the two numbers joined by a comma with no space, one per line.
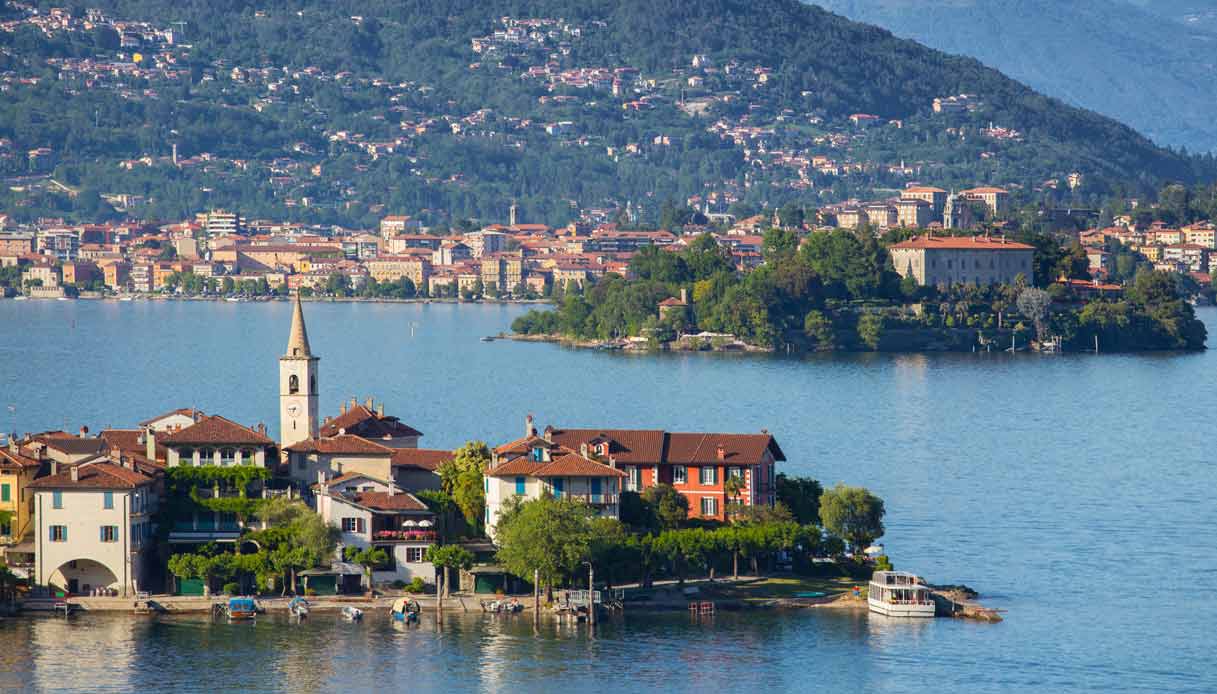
(934,260)
(374,512)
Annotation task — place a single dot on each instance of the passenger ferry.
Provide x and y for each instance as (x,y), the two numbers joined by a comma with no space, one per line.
(899,594)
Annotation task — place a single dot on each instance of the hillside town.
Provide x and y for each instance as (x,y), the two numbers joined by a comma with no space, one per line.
(219,253)
(101,513)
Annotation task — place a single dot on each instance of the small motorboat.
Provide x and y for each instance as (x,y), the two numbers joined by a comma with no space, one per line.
(487,338)
(298,607)
(241,609)
(405,610)
(353,614)
(502,606)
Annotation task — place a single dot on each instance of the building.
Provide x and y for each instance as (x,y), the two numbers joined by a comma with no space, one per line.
(936,197)
(485,242)
(696,464)
(1194,256)
(535,466)
(373,512)
(17,471)
(298,408)
(95,528)
(394,225)
(957,213)
(16,244)
(221,223)
(914,213)
(502,272)
(946,260)
(880,215)
(673,306)
(996,199)
(451,253)
(369,421)
(62,244)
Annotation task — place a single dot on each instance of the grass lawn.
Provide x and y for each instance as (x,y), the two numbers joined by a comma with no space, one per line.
(771,587)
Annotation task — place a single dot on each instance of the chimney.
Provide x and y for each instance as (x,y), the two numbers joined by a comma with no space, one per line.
(54,467)
(529,429)
(392,490)
(327,419)
(342,409)
(613,462)
(262,428)
(75,473)
(549,435)
(370,404)
(84,431)
(342,432)
(321,478)
(150,440)
(354,402)
(583,449)
(13,446)
(721,452)
(684,295)
(380,410)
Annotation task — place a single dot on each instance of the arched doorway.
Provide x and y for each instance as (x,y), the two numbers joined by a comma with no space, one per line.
(80,576)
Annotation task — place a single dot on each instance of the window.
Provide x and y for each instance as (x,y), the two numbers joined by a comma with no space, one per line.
(6,528)
(293,384)
(56,499)
(185,456)
(709,506)
(5,493)
(414,555)
(353,525)
(737,472)
(709,475)
(109,533)
(596,486)
(248,456)
(520,488)
(107,501)
(680,474)
(538,454)
(59,533)
(228,456)
(634,481)
(207,456)
(559,485)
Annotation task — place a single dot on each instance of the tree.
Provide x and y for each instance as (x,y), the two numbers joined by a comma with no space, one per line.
(802,496)
(671,507)
(853,514)
(445,558)
(870,329)
(551,537)
(462,478)
(369,558)
(1034,303)
(732,487)
(818,328)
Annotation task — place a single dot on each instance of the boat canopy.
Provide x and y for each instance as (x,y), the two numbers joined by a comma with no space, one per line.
(241,604)
(399,605)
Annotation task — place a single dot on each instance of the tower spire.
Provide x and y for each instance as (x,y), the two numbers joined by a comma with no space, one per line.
(297,343)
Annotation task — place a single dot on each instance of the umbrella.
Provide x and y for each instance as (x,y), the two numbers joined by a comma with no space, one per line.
(409,524)
(425,524)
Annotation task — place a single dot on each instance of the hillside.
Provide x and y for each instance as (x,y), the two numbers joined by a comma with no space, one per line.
(1149,64)
(342,111)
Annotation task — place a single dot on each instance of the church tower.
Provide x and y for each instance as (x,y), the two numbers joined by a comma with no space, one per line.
(297,385)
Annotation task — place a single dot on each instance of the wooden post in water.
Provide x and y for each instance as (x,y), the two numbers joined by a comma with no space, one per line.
(591,594)
(536,596)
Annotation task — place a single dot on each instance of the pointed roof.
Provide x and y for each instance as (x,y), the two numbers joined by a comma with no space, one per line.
(217,430)
(297,343)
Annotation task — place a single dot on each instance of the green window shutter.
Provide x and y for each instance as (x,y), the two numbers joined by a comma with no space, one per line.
(5,493)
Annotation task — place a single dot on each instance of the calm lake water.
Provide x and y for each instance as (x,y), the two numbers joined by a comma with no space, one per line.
(1076,492)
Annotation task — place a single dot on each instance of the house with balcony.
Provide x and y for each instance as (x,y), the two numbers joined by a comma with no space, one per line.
(17,471)
(220,447)
(697,465)
(535,466)
(374,512)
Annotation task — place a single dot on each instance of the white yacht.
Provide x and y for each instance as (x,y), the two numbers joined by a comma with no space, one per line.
(899,594)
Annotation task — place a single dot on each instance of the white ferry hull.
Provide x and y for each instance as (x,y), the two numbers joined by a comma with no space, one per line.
(891,610)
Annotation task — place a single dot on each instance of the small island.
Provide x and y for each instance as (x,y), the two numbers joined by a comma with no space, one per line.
(853,290)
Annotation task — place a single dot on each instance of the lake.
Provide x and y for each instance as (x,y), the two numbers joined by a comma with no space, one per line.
(1074,491)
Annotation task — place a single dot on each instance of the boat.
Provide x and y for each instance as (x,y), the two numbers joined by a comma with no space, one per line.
(899,594)
(298,607)
(487,338)
(405,610)
(241,608)
(353,614)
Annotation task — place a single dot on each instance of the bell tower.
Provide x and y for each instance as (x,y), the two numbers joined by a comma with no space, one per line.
(297,385)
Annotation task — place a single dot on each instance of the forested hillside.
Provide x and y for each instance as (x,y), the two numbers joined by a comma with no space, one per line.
(341,110)
(1152,65)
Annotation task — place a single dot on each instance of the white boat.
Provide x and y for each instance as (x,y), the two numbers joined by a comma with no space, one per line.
(352,613)
(899,594)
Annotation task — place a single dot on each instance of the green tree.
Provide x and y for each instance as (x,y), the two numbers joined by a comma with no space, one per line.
(802,496)
(870,329)
(369,558)
(462,478)
(853,514)
(671,507)
(446,558)
(549,536)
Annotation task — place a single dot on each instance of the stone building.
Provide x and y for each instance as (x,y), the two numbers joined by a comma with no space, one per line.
(947,260)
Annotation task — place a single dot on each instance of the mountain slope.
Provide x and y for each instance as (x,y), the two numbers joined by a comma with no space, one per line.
(1148,66)
(339,110)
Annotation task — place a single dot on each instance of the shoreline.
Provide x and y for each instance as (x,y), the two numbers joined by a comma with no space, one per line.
(269,299)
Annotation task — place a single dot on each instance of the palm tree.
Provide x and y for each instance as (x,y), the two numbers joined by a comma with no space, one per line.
(733,486)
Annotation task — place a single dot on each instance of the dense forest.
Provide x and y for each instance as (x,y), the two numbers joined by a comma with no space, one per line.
(821,64)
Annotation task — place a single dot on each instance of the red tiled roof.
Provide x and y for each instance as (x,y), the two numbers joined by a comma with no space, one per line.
(217,430)
(962,243)
(346,443)
(364,422)
(421,458)
(103,475)
(129,441)
(194,414)
(384,501)
(653,447)
(10,460)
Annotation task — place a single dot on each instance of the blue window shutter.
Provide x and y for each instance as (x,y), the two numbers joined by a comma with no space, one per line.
(57,499)
(108,500)
(596,485)
(520,486)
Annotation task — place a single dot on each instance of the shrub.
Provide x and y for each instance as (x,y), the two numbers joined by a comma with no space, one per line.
(415,586)
(399,584)
(883,563)
(310,592)
(232,588)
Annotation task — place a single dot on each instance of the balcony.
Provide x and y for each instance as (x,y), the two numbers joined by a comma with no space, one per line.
(594,499)
(405,536)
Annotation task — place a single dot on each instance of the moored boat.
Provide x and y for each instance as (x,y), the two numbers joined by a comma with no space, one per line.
(405,610)
(354,614)
(299,607)
(899,594)
(242,608)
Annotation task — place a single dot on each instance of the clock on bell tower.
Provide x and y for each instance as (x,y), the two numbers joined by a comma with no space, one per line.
(298,408)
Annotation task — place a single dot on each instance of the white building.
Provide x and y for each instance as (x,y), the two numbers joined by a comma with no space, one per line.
(534,466)
(94,528)
(372,512)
